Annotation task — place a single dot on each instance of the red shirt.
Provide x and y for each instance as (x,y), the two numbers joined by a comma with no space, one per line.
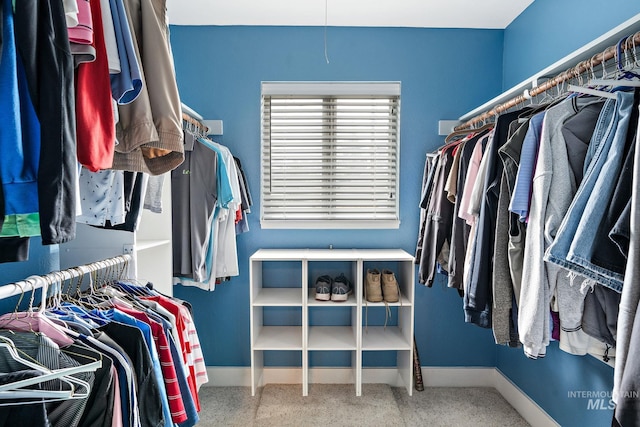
(95,123)
(174,308)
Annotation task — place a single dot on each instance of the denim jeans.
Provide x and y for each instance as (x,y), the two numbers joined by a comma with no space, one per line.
(575,240)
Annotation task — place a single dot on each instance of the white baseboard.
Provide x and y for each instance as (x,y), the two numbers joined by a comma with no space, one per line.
(220,376)
(526,407)
(234,376)
(457,377)
(432,377)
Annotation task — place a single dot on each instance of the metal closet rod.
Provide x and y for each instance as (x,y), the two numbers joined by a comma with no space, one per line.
(192,116)
(631,42)
(187,118)
(28,285)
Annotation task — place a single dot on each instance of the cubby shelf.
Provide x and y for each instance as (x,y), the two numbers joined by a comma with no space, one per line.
(283,293)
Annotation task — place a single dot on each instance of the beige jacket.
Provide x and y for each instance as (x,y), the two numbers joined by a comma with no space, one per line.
(149,132)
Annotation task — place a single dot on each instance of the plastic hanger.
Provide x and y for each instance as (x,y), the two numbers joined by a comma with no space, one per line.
(589,91)
(458,134)
(11,390)
(615,82)
(64,374)
(35,321)
(626,76)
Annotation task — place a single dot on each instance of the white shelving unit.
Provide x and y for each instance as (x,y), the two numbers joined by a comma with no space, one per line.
(285,316)
(153,244)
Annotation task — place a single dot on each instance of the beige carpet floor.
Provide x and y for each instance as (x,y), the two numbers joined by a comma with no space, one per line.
(327,405)
(337,405)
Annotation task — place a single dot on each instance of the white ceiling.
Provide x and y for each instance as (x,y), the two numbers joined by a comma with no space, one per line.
(357,13)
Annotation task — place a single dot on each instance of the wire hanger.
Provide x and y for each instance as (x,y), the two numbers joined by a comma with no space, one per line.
(590,91)
(626,76)
(12,389)
(35,321)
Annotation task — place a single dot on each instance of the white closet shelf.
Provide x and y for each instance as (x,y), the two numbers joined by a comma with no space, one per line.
(331,255)
(279,338)
(403,301)
(278,297)
(313,302)
(332,338)
(384,338)
(610,38)
(142,245)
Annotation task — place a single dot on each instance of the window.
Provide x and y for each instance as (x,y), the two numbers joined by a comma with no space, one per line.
(330,155)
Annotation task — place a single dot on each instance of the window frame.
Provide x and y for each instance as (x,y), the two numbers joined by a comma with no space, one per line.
(331,89)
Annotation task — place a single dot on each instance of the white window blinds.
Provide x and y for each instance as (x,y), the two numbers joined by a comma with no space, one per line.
(330,155)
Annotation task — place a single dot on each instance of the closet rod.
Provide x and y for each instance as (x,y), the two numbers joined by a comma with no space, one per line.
(195,122)
(609,53)
(190,111)
(17,288)
(190,115)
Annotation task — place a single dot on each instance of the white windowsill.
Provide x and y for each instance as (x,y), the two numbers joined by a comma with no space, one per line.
(333,224)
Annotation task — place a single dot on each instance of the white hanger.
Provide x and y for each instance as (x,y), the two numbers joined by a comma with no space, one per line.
(62,374)
(34,394)
(35,320)
(12,390)
(589,91)
(614,82)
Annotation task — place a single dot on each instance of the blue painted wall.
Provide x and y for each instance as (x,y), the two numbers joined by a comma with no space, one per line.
(42,260)
(548,30)
(557,382)
(219,70)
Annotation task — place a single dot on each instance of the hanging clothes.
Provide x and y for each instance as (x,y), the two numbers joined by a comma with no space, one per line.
(536,166)
(195,192)
(627,369)
(95,123)
(210,200)
(430,165)
(19,141)
(149,129)
(478,300)
(575,247)
(43,44)
(460,230)
(136,373)
(70,71)
(126,84)
(435,245)
(508,247)
(552,191)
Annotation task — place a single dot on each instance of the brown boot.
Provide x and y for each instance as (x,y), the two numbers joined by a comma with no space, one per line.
(372,287)
(390,287)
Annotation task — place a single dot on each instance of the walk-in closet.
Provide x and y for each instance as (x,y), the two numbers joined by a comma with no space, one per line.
(338,213)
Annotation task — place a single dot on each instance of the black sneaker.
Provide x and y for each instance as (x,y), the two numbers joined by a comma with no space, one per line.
(323,288)
(341,288)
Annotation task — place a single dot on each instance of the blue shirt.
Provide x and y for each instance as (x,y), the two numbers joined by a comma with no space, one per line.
(521,197)
(127,84)
(20,136)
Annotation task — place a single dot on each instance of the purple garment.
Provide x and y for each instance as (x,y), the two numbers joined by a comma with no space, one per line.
(555,325)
